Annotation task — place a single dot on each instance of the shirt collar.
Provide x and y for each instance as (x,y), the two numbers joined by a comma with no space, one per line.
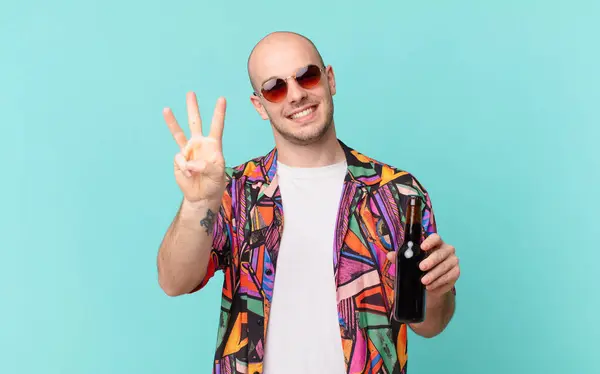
(362,170)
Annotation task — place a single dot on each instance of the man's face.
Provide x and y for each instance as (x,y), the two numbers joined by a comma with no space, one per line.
(305,113)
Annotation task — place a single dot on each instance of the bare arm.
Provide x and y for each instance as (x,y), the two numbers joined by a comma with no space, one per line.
(199,169)
(184,252)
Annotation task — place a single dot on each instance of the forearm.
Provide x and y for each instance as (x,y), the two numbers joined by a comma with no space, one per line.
(438,313)
(185,250)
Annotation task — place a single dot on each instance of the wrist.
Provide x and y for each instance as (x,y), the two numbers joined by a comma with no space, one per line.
(437,300)
(200,205)
(194,211)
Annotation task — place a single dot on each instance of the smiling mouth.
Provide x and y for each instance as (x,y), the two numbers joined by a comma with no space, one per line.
(305,113)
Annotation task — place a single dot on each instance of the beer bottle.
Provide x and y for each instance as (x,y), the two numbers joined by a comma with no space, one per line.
(409,303)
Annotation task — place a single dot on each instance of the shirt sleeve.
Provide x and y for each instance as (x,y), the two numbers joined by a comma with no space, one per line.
(427,215)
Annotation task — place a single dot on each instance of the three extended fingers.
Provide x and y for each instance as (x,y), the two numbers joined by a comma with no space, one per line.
(195,121)
(195,125)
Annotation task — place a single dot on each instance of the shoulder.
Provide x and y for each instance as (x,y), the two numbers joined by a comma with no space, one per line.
(383,175)
(395,184)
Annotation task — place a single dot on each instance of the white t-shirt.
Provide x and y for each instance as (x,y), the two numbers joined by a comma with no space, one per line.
(303,333)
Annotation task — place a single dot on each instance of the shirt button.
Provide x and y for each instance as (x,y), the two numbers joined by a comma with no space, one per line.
(269,272)
(260,322)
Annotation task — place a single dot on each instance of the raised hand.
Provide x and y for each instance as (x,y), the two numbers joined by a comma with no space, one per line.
(199,164)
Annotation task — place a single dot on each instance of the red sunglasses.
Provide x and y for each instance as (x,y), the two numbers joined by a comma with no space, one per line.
(276,89)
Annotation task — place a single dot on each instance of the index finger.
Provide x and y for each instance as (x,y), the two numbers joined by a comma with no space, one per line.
(431,241)
(218,120)
(174,127)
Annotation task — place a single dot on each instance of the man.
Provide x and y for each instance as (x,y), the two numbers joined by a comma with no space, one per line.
(305,235)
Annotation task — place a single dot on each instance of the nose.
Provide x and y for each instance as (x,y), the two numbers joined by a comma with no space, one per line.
(295,92)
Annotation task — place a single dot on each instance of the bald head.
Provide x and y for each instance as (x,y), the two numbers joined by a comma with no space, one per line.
(277,53)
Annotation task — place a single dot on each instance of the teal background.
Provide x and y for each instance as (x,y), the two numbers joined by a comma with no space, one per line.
(492,105)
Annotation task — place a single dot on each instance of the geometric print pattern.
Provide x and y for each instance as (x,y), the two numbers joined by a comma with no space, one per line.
(370,223)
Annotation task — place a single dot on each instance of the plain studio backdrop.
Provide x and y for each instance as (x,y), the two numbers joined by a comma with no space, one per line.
(494,106)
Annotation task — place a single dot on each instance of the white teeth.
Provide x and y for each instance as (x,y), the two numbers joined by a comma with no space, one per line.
(303,113)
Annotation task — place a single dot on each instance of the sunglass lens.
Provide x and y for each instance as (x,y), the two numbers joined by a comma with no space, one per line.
(309,76)
(274,90)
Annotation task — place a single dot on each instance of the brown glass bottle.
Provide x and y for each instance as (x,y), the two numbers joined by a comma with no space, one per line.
(409,304)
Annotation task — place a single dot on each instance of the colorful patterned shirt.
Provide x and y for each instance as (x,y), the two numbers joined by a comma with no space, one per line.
(369,224)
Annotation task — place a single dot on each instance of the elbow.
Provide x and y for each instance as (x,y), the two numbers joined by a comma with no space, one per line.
(427,330)
(177,281)
(172,292)
(169,287)
(174,287)
(429,334)
(423,332)
(166,282)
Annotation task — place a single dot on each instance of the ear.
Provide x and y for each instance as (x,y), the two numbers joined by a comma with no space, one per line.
(330,79)
(260,109)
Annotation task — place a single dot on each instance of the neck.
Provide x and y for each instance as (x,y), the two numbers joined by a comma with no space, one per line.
(323,152)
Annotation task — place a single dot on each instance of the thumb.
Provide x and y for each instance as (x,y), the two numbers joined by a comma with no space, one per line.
(197,166)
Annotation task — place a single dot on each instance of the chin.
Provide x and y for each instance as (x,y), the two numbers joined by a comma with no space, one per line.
(307,134)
